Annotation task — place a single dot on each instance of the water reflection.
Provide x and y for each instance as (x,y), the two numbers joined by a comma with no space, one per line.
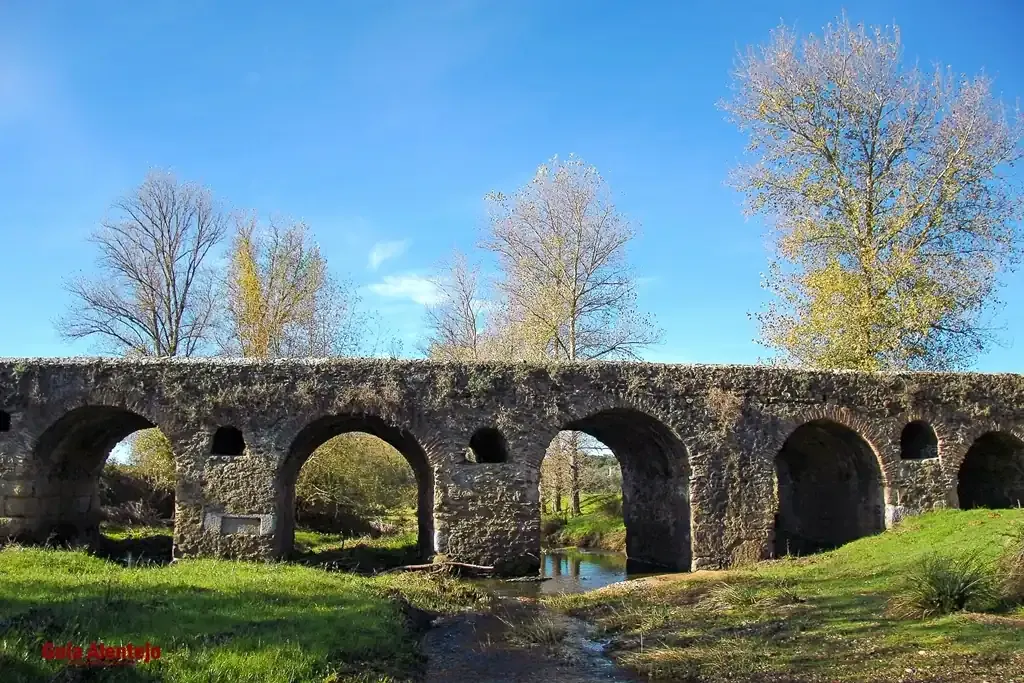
(575,571)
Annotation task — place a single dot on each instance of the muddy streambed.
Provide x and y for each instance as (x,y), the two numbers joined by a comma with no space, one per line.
(519,640)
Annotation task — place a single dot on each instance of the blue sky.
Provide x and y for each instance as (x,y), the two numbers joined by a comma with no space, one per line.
(383,124)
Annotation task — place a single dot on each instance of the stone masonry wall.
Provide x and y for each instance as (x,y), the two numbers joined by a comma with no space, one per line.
(703,438)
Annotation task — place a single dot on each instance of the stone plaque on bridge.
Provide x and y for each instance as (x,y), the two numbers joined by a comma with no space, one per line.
(248,525)
(240,525)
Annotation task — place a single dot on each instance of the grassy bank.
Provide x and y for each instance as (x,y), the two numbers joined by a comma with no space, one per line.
(216,620)
(362,554)
(599,527)
(823,618)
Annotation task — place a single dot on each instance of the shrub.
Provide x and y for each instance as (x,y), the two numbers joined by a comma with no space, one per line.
(128,496)
(940,584)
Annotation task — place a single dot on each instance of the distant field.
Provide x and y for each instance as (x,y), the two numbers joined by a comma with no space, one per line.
(820,618)
(599,527)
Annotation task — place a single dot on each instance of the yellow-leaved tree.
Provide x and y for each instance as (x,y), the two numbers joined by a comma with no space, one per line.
(281,298)
(891,196)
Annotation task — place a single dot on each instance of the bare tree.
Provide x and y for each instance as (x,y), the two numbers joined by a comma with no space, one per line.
(154,295)
(281,299)
(455,322)
(563,292)
(562,245)
(566,283)
(893,205)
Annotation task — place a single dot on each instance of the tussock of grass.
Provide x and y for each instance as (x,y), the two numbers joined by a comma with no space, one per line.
(822,617)
(538,631)
(666,664)
(218,620)
(943,584)
(751,596)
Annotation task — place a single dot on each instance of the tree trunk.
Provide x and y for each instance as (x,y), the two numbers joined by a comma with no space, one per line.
(556,470)
(574,473)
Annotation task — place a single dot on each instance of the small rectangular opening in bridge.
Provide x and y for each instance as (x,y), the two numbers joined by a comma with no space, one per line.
(5,421)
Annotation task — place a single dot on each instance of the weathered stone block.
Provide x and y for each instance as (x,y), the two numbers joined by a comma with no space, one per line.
(16,506)
(894,514)
(16,488)
(12,526)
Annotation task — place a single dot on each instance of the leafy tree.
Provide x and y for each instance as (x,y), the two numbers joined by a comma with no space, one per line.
(154,295)
(890,194)
(152,459)
(358,472)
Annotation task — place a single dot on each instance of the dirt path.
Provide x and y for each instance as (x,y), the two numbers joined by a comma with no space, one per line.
(495,647)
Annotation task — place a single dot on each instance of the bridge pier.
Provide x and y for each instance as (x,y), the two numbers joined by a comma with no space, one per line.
(487,514)
(226,502)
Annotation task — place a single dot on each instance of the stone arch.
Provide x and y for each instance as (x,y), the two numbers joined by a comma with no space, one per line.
(830,488)
(991,474)
(316,433)
(655,482)
(68,458)
(867,430)
(918,441)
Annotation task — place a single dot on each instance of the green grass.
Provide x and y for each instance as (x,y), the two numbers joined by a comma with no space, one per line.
(600,525)
(820,618)
(316,542)
(216,620)
(363,554)
(119,532)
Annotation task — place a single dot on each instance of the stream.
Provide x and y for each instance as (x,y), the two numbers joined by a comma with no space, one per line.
(481,648)
(572,570)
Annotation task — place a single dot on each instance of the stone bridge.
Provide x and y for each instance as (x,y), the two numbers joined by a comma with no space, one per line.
(720,464)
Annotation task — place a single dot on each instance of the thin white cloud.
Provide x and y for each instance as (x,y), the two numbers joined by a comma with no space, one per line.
(416,288)
(382,251)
